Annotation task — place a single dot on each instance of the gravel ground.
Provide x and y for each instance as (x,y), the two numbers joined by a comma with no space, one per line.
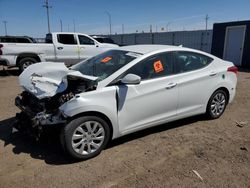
(163,156)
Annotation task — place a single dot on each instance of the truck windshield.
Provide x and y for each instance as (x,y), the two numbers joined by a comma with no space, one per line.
(105,64)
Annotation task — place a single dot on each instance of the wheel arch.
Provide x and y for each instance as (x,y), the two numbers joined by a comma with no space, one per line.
(27,55)
(98,114)
(223,89)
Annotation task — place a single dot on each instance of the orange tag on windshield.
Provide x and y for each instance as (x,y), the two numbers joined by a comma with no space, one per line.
(158,67)
(106,59)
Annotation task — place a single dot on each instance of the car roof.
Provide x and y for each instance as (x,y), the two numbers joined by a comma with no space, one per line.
(144,49)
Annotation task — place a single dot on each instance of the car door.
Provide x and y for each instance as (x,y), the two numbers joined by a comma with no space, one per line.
(67,49)
(152,101)
(196,77)
(87,47)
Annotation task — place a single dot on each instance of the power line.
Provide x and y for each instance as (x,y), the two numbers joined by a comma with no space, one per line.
(122,28)
(74,25)
(5,27)
(47,8)
(206,19)
(61,25)
(109,15)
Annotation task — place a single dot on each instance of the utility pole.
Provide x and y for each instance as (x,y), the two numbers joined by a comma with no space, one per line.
(47,8)
(109,15)
(150,28)
(61,24)
(5,27)
(74,25)
(122,28)
(167,26)
(206,19)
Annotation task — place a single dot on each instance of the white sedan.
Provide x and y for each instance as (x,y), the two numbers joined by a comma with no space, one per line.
(122,91)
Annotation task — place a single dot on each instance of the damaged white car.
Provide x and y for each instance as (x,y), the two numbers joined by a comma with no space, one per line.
(122,91)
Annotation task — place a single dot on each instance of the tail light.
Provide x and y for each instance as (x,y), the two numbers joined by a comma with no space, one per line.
(232,69)
(1,52)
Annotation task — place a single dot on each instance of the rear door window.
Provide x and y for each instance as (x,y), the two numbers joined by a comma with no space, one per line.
(188,61)
(66,39)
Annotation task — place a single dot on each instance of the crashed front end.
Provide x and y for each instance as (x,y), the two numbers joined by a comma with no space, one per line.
(45,90)
(36,114)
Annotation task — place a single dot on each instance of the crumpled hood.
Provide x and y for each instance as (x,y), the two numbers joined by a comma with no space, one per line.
(46,79)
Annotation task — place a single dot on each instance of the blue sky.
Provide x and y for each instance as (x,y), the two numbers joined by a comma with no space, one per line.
(28,17)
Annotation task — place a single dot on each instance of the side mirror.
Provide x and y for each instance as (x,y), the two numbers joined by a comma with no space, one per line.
(131,79)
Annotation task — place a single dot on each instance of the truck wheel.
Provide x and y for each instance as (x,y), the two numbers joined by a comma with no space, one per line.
(85,137)
(25,62)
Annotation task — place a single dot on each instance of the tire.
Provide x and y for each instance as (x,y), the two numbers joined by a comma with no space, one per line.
(82,143)
(217,104)
(25,62)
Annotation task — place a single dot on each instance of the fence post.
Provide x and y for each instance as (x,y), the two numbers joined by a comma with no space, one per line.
(201,40)
(122,40)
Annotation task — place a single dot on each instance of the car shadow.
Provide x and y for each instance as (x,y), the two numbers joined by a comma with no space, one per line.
(49,148)
(4,71)
(156,129)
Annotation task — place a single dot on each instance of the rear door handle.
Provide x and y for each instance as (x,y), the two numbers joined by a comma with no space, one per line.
(171,85)
(212,74)
(59,48)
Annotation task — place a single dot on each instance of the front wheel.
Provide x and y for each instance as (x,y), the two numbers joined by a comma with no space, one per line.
(85,137)
(217,104)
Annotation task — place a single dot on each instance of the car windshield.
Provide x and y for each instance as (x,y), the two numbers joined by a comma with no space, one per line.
(105,64)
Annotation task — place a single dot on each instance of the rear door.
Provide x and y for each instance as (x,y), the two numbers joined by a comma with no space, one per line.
(196,76)
(67,49)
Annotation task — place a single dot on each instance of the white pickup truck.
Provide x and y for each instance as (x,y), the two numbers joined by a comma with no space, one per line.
(69,48)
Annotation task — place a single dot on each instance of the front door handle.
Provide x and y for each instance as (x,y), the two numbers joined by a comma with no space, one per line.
(171,85)
(212,74)
(59,48)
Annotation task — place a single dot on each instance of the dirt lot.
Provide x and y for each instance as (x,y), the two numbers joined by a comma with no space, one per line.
(164,156)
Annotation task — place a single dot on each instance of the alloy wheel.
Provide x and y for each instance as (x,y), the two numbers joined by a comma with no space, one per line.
(88,137)
(218,104)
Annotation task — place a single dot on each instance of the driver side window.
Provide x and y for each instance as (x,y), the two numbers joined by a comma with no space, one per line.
(154,67)
(83,40)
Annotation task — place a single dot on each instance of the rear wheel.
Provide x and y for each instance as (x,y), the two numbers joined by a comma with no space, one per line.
(217,104)
(25,62)
(85,137)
